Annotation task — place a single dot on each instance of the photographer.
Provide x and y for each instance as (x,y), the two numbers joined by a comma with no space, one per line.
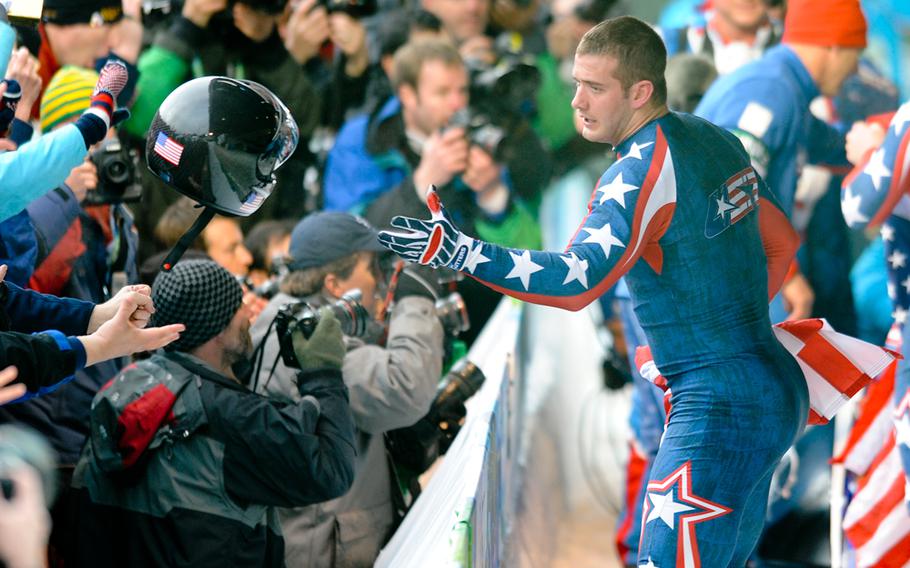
(382,163)
(390,387)
(186,464)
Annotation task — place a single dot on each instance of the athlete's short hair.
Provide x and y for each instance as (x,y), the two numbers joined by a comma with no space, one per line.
(636,47)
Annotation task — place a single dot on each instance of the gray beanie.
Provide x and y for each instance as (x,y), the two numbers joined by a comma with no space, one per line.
(199,294)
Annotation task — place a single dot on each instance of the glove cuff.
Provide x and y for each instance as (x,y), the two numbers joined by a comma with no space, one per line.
(463,247)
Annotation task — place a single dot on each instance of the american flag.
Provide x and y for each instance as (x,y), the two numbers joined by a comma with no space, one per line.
(835,366)
(168,148)
(732,202)
(877,520)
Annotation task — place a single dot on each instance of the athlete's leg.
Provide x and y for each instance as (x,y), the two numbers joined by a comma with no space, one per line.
(728,429)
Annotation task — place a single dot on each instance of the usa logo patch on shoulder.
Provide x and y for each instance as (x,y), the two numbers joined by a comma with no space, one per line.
(731,202)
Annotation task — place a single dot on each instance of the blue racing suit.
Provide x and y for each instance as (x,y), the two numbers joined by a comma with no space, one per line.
(701,240)
(876,193)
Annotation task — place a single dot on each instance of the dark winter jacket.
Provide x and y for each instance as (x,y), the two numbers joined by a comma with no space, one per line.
(184,466)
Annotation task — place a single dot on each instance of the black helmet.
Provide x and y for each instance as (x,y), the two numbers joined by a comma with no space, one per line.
(219,141)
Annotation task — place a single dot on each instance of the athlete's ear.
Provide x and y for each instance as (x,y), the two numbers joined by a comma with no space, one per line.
(640,93)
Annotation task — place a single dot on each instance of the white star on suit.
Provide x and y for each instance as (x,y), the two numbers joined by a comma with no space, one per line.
(578,270)
(616,190)
(635,151)
(850,207)
(650,564)
(475,257)
(906,284)
(887,233)
(901,118)
(665,508)
(900,316)
(524,267)
(897,259)
(604,237)
(723,207)
(876,168)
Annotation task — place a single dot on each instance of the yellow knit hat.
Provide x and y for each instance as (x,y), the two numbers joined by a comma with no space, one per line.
(67,96)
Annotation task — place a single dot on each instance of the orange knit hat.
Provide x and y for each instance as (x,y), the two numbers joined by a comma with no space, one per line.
(825,22)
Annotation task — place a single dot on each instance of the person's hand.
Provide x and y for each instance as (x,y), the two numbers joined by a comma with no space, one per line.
(82,178)
(325,348)
(140,298)
(350,35)
(10,393)
(23,67)
(25,524)
(111,81)
(256,25)
(306,30)
(445,155)
(863,137)
(482,173)
(123,335)
(200,12)
(798,297)
(434,242)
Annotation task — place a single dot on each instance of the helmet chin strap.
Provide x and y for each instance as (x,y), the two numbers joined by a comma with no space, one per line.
(187,239)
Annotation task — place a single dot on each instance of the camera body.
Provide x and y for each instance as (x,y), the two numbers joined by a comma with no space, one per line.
(117,177)
(303,316)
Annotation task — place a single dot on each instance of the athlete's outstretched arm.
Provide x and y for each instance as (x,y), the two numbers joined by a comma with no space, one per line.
(875,186)
(628,213)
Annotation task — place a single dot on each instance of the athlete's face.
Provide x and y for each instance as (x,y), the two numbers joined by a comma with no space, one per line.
(601,104)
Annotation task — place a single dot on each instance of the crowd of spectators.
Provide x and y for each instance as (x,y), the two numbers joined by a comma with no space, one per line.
(181,420)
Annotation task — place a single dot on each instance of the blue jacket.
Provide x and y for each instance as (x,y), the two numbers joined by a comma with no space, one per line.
(353,176)
(766,105)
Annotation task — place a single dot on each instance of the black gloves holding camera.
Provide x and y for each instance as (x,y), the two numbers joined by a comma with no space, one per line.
(325,348)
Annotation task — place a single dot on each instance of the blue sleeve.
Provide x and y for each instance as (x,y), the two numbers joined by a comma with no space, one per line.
(755,112)
(628,213)
(30,311)
(52,214)
(37,167)
(874,187)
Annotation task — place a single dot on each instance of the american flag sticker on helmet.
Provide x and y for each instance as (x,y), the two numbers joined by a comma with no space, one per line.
(168,148)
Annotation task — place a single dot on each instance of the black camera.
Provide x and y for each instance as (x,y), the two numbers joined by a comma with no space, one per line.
(453,313)
(417,447)
(117,179)
(356,9)
(301,315)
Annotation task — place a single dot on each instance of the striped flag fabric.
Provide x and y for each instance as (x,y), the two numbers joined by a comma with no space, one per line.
(835,366)
(877,519)
(168,148)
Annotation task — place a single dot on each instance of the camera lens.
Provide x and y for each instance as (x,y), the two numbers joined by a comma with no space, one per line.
(117,171)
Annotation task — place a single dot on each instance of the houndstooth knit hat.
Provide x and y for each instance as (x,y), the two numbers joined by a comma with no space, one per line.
(199,294)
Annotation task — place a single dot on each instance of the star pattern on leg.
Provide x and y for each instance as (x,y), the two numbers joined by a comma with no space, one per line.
(897,259)
(524,267)
(887,232)
(901,117)
(673,496)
